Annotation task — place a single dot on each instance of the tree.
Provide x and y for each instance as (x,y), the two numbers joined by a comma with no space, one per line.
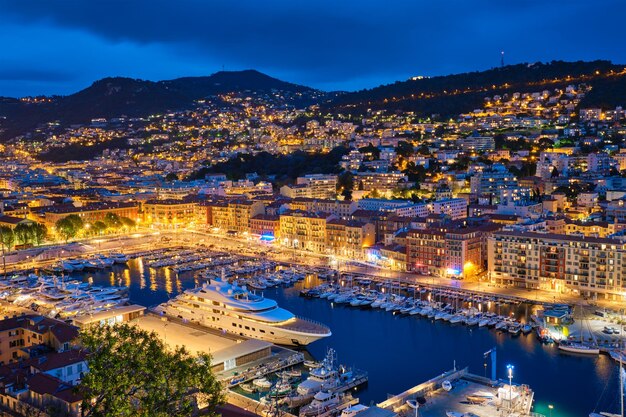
(345,184)
(133,373)
(7,237)
(404,149)
(374,194)
(172,176)
(370,150)
(99,227)
(69,226)
(23,233)
(39,233)
(112,221)
(554,173)
(127,223)
(76,221)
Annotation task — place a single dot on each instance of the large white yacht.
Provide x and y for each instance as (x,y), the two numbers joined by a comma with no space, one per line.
(234,309)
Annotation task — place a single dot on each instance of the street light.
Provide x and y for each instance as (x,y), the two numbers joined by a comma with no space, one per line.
(509,369)
(550,407)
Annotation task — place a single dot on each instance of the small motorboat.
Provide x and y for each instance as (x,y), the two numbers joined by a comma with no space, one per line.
(249,388)
(312,364)
(262,383)
(575,347)
(446,385)
(293,373)
(479,398)
(353,410)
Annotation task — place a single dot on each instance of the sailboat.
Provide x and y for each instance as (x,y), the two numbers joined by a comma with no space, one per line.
(578,347)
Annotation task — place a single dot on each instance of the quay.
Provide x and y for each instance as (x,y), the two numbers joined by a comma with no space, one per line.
(470,395)
(410,284)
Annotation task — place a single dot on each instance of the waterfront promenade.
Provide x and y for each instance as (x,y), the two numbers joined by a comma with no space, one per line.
(149,239)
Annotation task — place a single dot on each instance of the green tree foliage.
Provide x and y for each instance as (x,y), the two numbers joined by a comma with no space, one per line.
(172,176)
(527,169)
(23,233)
(127,223)
(404,149)
(39,233)
(345,185)
(7,237)
(416,173)
(283,167)
(460,164)
(133,373)
(99,227)
(69,226)
(371,151)
(112,221)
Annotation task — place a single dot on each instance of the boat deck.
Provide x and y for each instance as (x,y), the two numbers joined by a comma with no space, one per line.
(299,324)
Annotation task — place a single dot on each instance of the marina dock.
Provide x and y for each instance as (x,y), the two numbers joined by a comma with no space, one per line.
(469,394)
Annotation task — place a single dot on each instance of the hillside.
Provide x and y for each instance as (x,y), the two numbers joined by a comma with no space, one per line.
(111,97)
(443,95)
(453,94)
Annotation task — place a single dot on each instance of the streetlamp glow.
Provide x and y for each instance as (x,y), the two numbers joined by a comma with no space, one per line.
(550,407)
(509,369)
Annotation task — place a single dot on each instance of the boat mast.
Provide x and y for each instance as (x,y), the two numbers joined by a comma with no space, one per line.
(621,383)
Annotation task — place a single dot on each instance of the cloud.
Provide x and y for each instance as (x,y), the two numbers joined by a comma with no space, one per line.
(345,44)
(33,74)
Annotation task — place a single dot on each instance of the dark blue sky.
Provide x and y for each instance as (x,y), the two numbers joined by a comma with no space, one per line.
(61,46)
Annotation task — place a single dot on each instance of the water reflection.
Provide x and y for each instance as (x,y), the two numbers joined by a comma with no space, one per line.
(168,281)
(399,351)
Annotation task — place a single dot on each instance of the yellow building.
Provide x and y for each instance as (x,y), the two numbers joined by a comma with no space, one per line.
(304,230)
(564,225)
(234,215)
(349,237)
(170,213)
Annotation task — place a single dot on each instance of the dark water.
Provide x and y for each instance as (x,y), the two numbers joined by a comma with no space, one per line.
(400,352)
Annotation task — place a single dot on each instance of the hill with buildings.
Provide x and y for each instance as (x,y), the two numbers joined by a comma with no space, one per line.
(119,96)
(453,94)
(444,96)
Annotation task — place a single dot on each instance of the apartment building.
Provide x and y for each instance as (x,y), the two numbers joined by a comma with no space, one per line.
(265,225)
(304,230)
(456,208)
(169,213)
(235,215)
(566,226)
(380,181)
(318,186)
(399,207)
(447,251)
(588,266)
(38,367)
(349,237)
(17,334)
(477,143)
(339,208)
(491,181)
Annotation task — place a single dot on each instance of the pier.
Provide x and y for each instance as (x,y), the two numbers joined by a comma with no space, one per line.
(469,394)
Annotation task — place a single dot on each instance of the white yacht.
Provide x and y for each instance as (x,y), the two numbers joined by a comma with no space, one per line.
(72,265)
(234,309)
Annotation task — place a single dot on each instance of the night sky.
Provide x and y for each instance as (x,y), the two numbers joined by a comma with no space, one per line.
(61,46)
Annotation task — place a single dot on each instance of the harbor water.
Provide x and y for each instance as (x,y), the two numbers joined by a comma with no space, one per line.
(401,351)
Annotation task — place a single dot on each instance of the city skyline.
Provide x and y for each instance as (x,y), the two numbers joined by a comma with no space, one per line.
(62,48)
